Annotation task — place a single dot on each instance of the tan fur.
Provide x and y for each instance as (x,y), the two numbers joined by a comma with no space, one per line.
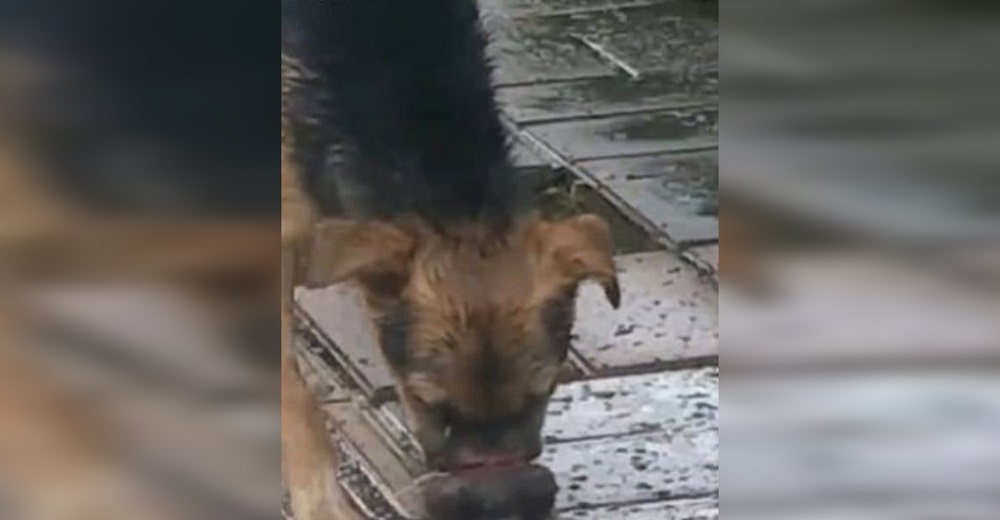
(478,299)
(308,459)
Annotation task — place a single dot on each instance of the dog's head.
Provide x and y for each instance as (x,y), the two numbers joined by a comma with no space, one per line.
(475,324)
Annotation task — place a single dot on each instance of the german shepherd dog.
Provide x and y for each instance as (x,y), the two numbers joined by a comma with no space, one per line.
(471,295)
(136,142)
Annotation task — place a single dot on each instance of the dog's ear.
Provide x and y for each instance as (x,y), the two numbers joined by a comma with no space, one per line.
(375,254)
(577,249)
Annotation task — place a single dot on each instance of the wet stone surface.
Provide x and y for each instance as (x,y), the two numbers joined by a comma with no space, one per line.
(596,79)
(680,222)
(684,401)
(707,509)
(676,192)
(526,51)
(679,38)
(542,7)
(339,312)
(594,97)
(667,314)
(659,466)
(674,131)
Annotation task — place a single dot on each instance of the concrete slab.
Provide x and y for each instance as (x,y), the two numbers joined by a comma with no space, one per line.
(679,39)
(538,49)
(673,192)
(338,311)
(532,104)
(673,510)
(679,402)
(656,466)
(679,225)
(547,7)
(369,444)
(319,376)
(693,176)
(633,439)
(673,131)
(668,314)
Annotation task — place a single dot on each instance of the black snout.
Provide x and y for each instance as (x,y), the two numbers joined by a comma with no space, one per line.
(526,492)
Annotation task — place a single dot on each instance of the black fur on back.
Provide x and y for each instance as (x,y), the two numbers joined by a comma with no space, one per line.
(167,106)
(406,86)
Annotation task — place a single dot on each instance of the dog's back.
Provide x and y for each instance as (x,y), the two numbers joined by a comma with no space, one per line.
(405,89)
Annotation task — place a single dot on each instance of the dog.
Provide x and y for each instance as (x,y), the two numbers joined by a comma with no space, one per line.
(471,294)
(136,144)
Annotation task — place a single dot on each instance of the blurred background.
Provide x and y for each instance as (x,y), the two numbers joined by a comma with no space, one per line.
(861,213)
(861,208)
(138,260)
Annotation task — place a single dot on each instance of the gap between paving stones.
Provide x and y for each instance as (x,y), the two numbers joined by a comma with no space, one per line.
(528,122)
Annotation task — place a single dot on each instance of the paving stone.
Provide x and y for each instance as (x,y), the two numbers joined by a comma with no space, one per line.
(601,96)
(959,508)
(693,176)
(676,193)
(649,197)
(319,376)
(376,453)
(675,38)
(678,38)
(538,49)
(338,311)
(667,314)
(656,466)
(707,509)
(682,401)
(541,7)
(674,131)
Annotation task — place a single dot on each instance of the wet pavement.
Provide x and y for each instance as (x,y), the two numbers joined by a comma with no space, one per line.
(622,98)
(624,95)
